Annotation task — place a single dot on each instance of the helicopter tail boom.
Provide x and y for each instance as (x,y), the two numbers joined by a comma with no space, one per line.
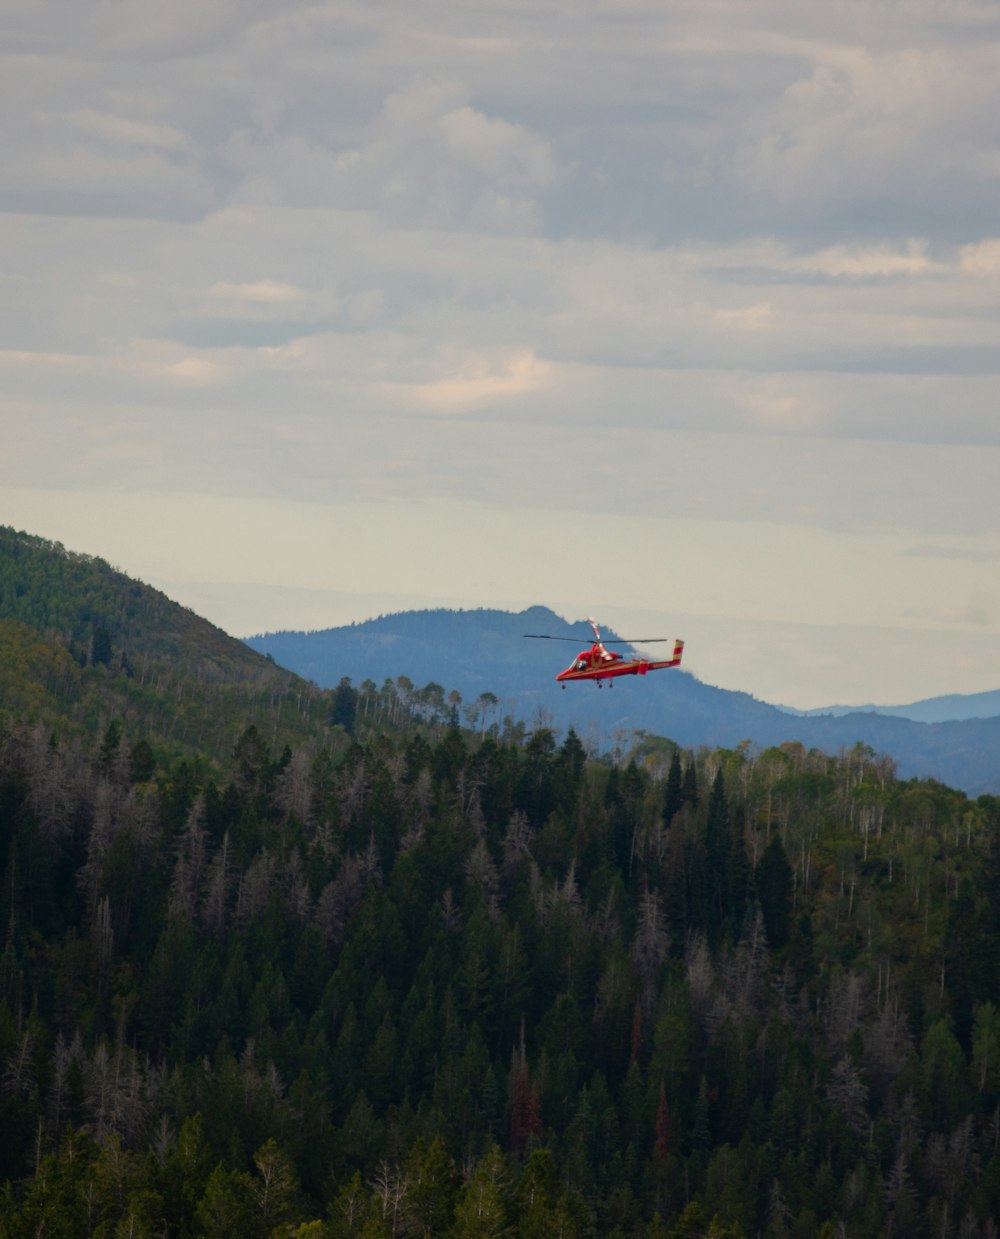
(673,661)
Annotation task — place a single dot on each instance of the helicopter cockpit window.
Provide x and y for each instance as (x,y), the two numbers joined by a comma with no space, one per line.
(581,664)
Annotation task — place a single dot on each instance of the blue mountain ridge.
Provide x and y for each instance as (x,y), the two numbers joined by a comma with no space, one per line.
(948,708)
(484,651)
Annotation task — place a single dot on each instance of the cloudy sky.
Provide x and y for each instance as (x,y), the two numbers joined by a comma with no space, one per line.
(684,313)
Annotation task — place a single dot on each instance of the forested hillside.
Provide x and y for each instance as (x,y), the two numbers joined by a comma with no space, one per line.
(380,962)
(441,982)
(81,644)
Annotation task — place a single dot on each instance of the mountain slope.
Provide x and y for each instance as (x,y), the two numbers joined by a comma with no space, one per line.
(484,651)
(79,597)
(948,708)
(82,644)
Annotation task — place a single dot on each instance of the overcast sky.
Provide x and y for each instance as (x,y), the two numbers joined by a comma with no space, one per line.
(682,314)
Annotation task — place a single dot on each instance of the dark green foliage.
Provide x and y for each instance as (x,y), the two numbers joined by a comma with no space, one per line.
(717,871)
(432,982)
(690,788)
(345,706)
(100,647)
(774,890)
(674,794)
(142,761)
(111,744)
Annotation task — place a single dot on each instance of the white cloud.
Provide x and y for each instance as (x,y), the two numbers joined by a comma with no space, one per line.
(420,104)
(503,152)
(867,261)
(771,405)
(478,382)
(267,292)
(425,156)
(861,120)
(981,258)
(125,131)
(155,361)
(756,317)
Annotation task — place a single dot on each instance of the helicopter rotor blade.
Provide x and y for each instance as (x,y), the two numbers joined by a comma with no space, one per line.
(544,636)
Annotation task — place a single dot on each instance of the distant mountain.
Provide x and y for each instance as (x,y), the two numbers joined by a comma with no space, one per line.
(82,645)
(483,651)
(951,707)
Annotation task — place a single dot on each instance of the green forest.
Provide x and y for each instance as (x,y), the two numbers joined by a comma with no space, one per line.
(370,962)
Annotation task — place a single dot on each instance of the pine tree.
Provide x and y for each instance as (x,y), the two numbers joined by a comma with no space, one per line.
(674,794)
(774,882)
(691,784)
(717,855)
(345,706)
(100,647)
(434,1184)
(480,1212)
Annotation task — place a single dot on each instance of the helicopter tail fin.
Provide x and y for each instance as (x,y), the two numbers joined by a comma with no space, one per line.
(673,661)
(667,662)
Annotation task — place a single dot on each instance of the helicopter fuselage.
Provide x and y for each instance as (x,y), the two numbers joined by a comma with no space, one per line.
(600,664)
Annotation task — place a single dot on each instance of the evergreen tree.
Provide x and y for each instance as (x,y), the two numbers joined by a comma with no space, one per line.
(481,1212)
(774,883)
(717,873)
(345,706)
(690,788)
(100,647)
(142,761)
(434,1184)
(674,793)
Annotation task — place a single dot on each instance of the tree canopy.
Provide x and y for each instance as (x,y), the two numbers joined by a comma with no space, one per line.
(374,973)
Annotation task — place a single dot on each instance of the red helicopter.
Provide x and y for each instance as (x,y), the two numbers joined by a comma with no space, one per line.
(601,664)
